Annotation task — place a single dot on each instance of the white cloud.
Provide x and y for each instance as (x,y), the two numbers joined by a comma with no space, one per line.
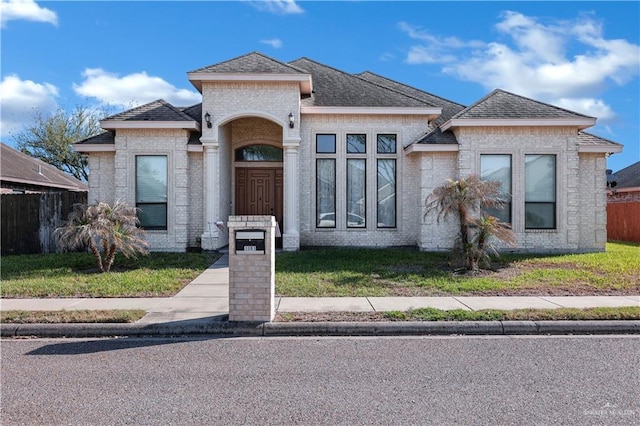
(132,89)
(20,100)
(566,63)
(276,43)
(588,106)
(433,49)
(278,7)
(27,10)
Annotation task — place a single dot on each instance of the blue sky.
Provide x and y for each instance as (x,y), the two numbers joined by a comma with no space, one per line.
(584,56)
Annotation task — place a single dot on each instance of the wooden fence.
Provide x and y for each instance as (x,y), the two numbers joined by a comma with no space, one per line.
(623,221)
(28,220)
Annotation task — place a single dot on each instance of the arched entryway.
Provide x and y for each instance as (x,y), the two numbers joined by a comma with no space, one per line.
(258,175)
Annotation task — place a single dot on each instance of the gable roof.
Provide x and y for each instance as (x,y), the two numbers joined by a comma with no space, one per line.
(158,111)
(335,88)
(20,168)
(629,177)
(508,109)
(250,63)
(253,66)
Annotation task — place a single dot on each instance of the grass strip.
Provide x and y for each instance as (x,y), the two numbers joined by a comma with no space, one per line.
(432,314)
(70,317)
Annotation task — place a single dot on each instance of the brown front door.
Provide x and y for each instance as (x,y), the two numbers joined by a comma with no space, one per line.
(259,192)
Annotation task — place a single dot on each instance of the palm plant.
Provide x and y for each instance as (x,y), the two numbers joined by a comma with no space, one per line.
(463,198)
(112,228)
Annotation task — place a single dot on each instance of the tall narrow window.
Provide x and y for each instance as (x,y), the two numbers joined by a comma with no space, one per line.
(540,192)
(356,190)
(151,191)
(498,168)
(386,193)
(326,193)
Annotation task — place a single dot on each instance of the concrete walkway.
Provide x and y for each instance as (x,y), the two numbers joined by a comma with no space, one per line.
(206,299)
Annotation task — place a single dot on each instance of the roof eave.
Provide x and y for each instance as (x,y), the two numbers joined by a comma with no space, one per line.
(133,124)
(580,123)
(43,183)
(602,149)
(425,147)
(304,80)
(95,147)
(431,113)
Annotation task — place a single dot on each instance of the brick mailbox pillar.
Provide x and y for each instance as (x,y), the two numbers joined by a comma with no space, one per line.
(252,268)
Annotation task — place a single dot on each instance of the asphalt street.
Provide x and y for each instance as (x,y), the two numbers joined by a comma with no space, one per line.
(322,381)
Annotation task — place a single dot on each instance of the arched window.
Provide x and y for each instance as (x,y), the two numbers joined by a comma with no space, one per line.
(259,153)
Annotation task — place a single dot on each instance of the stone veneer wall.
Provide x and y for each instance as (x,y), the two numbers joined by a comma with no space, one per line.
(172,143)
(196,198)
(408,129)
(102,176)
(579,189)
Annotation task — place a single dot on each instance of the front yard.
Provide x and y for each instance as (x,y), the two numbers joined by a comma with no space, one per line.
(397,272)
(332,272)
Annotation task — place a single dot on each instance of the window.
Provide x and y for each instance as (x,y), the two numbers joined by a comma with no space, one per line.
(386,193)
(259,153)
(356,144)
(386,180)
(326,144)
(151,191)
(386,144)
(356,190)
(540,192)
(498,168)
(326,193)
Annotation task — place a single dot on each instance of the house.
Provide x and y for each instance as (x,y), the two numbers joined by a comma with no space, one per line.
(623,205)
(21,174)
(344,159)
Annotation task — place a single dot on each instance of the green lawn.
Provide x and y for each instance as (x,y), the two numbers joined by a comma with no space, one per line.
(75,275)
(66,317)
(398,272)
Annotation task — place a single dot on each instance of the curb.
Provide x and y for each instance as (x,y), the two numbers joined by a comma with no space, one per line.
(275,329)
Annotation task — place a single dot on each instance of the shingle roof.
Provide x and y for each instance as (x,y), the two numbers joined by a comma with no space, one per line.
(159,110)
(629,177)
(449,108)
(437,137)
(586,139)
(194,111)
(194,138)
(500,104)
(21,168)
(251,63)
(104,138)
(337,88)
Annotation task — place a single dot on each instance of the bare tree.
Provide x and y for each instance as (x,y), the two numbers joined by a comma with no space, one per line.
(50,138)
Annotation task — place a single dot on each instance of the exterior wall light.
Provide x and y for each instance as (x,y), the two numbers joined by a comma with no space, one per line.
(291,120)
(207,118)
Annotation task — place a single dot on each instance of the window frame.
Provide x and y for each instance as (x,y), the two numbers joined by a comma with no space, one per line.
(508,205)
(317,178)
(165,203)
(553,204)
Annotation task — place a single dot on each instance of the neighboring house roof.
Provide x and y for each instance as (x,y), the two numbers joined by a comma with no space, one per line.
(22,169)
(629,177)
(335,88)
